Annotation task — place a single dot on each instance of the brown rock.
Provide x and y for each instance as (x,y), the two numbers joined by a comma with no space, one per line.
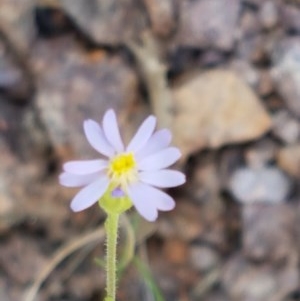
(176,251)
(209,23)
(265,85)
(216,108)
(288,158)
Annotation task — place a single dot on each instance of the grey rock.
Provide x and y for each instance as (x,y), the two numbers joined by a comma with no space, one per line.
(16,84)
(290,17)
(286,72)
(107,22)
(203,258)
(17,21)
(246,71)
(264,184)
(245,281)
(209,23)
(269,14)
(75,85)
(269,232)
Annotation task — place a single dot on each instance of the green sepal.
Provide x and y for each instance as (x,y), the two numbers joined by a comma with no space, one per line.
(114,205)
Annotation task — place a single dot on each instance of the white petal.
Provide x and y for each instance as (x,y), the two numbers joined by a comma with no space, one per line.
(148,200)
(111,130)
(85,167)
(165,178)
(158,141)
(71,180)
(90,194)
(146,208)
(96,138)
(160,160)
(142,135)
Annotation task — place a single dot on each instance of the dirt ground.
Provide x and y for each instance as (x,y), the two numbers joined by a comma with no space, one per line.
(223,76)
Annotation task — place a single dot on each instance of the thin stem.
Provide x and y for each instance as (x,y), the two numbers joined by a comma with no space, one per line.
(111,226)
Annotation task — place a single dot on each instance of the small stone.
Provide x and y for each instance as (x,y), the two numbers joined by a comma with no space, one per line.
(265,85)
(264,184)
(246,71)
(286,127)
(252,48)
(249,24)
(268,14)
(184,222)
(176,251)
(203,258)
(260,153)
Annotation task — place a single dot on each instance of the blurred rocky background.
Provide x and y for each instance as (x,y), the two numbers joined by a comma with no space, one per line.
(223,75)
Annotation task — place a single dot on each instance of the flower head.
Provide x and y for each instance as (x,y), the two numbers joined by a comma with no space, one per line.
(131,174)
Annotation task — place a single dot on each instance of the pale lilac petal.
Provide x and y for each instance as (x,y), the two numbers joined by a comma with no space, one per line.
(111,130)
(142,202)
(160,160)
(164,178)
(71,180)
(158,141)
(142,135)
(85,167)
(147,200)
(96,138)
(90,194)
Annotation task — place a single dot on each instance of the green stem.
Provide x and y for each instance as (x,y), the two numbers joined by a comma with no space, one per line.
(111,226)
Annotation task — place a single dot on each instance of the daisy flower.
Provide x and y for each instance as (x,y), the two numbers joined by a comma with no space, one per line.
(136,171)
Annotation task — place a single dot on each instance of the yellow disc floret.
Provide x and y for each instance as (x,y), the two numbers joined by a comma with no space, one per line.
(122,169)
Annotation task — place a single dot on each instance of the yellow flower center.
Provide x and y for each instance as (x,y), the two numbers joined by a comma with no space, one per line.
(122,169)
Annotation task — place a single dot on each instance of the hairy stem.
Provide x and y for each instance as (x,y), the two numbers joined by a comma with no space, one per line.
(111,226)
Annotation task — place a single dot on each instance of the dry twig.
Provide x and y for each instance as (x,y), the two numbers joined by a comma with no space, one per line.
(154,73)
(89,238)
